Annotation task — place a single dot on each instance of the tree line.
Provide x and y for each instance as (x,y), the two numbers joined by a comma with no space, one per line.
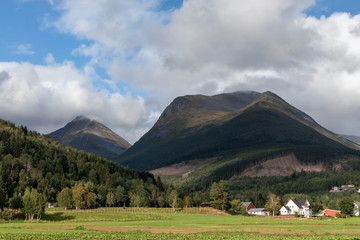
(220,198)
(31,162)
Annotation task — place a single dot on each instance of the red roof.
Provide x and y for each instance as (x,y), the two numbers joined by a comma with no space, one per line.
(331,213)
(248,205)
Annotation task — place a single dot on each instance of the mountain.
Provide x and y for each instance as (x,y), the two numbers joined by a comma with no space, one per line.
(91,136)
(354,139)
(226,133)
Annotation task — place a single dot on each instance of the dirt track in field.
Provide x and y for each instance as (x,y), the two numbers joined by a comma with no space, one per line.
(176,230)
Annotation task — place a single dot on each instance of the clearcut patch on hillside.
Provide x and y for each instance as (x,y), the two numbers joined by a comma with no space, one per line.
(281,166)
(183,168)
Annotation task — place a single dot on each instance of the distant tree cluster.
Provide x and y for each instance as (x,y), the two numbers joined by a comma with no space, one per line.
(220,198)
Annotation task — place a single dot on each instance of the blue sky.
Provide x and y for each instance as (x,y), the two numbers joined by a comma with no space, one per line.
(26,36)
(23,23)
(94,58)
(328,7)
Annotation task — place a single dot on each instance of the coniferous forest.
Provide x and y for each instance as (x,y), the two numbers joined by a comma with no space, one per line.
(33,167)
(35,170)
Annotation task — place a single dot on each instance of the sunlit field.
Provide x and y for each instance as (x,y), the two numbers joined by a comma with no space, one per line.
(146,223)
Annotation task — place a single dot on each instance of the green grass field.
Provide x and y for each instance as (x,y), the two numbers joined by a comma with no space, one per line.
(118,223)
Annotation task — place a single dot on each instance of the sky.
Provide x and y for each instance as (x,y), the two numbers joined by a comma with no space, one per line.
(122,62)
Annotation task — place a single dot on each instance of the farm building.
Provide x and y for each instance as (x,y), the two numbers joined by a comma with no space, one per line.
(302,207)
(248,205)
(331,213)
(258,212)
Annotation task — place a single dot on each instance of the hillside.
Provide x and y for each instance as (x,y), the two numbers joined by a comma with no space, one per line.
(201,127)
(354,139)
(91,136)
(31,160)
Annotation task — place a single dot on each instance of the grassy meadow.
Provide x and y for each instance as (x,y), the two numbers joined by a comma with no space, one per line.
(133,223)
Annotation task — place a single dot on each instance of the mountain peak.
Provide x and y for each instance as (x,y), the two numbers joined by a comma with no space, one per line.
(91,136)
(81,118)
(198,110)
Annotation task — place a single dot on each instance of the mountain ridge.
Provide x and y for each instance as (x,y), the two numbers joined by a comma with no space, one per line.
(192,127)
(354,139)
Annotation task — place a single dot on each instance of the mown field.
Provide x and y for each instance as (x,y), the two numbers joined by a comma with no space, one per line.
(118,223)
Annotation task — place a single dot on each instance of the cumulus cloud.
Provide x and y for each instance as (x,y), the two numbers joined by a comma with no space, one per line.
(47,97)
(206,46)
(3,76)
(49,59)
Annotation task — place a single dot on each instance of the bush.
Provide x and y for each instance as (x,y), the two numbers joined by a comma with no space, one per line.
(337,215)
(296,214)
(237,208)
(10,214)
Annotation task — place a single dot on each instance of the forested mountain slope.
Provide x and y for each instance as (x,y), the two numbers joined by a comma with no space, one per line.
(31,160)
(226,125)
(354,139)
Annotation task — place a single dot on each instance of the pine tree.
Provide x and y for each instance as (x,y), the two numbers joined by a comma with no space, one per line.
(3,192)
(219,195)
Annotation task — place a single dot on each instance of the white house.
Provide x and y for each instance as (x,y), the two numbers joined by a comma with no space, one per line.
(258,212)
(356,208)
(302,207)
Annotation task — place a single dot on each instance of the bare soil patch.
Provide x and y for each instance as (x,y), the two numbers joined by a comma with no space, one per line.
(152,230)
(183,168)
(280,166)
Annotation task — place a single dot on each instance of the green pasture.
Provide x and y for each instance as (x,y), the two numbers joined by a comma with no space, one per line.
(59,224)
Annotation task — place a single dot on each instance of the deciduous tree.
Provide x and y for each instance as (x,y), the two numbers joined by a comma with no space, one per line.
(273,203)
(79,195)
(346,205)
(174,200)
(65,198)
(238,207)
(33,204)
(120,196)
(110,199)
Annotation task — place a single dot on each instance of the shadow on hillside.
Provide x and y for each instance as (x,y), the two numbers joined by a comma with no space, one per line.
(59,216)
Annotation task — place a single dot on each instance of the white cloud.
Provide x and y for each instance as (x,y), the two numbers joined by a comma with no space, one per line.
(24,49)
(49,59)
(47,97)
(206,46)
(114,24)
